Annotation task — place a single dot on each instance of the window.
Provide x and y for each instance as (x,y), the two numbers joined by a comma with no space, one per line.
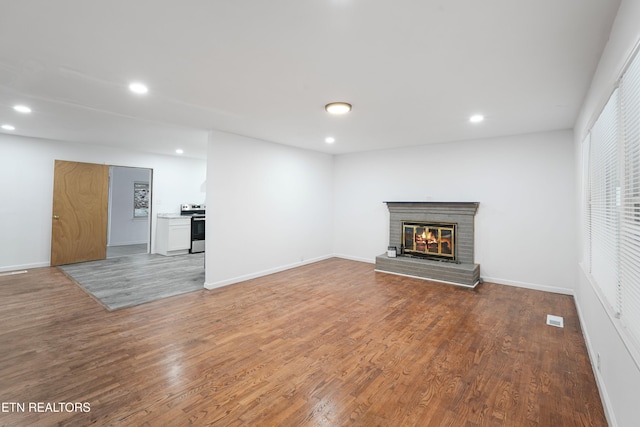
(604,190)
(630,201)
(611,208)
(586,204)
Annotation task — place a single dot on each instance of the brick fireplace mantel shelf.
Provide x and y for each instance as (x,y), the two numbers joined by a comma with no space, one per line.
(463,271)
(453,206)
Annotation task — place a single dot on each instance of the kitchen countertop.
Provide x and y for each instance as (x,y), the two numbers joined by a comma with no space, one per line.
(172,216)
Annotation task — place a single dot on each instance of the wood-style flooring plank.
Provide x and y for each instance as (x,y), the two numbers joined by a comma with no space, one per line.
(331,343)
(126,281)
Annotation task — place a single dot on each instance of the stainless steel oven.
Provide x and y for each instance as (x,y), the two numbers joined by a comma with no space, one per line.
(197,233)
(197,214)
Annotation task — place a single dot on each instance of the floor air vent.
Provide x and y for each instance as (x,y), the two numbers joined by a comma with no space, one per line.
(556,321)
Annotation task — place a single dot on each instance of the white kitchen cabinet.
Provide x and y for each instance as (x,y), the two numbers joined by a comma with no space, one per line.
(173,235)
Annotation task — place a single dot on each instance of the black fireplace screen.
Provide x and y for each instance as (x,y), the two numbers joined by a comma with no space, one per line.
(432,240)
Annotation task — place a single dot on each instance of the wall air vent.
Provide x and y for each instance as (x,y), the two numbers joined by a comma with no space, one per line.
(556,321)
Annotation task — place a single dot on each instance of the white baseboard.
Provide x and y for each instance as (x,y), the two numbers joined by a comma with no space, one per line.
(25,266)
(606,401)
(255,275)
(226,282)
(353,258)
(534,286)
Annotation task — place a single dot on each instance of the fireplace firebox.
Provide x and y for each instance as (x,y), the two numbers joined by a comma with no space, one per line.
(429,240)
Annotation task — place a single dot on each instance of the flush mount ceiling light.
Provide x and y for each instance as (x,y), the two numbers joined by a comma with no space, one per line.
(338,107)
(476,118)
(22,109)
(180,151)
(329,140)
(139,88)
(8,127)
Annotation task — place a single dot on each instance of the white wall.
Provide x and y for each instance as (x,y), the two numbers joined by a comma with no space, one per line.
(524,225)
(124,228)
(269,208)
(619,375)
(26,190)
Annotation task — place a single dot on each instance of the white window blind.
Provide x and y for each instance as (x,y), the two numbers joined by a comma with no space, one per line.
(611,214)
(605,200)
(585,203)
(630,210)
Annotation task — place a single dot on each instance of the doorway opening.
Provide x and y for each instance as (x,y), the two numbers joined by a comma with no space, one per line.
(129,216)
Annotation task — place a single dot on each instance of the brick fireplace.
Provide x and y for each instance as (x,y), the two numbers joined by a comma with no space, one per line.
(434,240)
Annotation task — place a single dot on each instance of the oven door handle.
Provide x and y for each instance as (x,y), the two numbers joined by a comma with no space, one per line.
(198,219)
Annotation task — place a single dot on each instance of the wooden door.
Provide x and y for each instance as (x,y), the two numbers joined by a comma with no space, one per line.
(80,202)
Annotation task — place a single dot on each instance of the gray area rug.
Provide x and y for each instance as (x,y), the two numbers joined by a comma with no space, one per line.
(137,279)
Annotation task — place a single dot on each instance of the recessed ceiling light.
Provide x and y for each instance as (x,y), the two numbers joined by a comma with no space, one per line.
(180,151)
(22,109)
(8,127)
(477,118)
(338,107)
(329,140)
(138,88)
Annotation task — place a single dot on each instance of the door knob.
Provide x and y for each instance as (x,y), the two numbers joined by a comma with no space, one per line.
(56,217)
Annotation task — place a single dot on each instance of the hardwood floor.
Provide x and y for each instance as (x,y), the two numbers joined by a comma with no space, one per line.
(331,343)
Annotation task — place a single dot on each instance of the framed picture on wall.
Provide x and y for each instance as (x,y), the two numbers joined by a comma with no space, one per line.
(140,199)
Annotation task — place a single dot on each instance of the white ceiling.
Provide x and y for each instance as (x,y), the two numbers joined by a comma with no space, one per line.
(413,70)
